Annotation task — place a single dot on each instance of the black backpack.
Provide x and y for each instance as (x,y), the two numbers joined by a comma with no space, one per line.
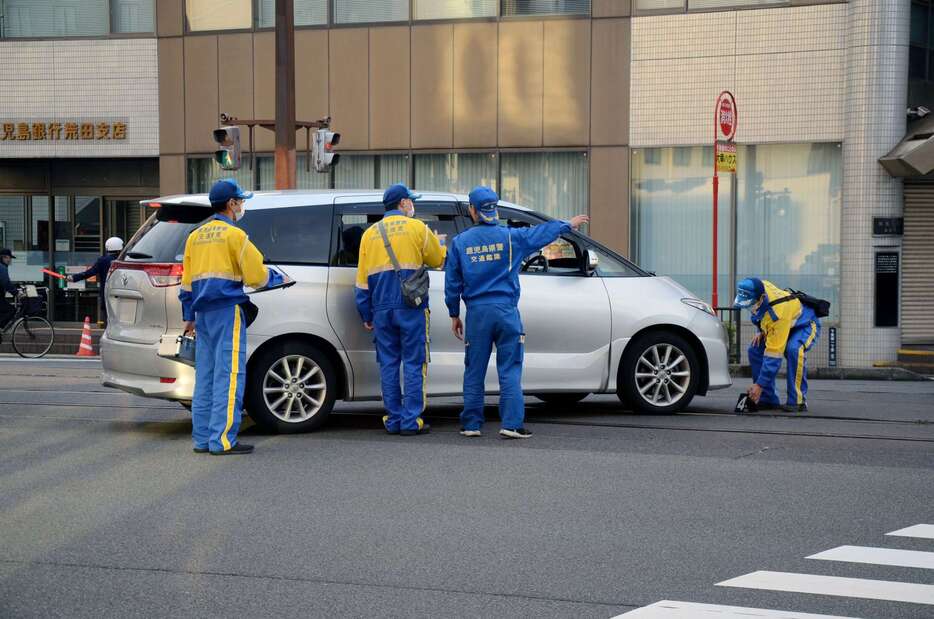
(821,307)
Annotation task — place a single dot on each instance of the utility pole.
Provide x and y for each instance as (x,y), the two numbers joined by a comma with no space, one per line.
(285,95)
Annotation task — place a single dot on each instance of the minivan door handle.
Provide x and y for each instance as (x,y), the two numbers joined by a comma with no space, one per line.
(127,294)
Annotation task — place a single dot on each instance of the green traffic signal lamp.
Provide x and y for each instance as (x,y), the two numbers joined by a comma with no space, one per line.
(228,155)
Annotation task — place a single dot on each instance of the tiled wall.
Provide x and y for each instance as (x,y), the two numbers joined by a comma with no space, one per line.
(75,80)
(786,67)
(876,98)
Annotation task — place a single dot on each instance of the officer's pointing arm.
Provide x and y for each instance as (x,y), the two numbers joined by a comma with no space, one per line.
(432,250)
(536,237)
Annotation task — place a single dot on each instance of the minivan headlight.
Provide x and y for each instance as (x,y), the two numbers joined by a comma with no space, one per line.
(698,304)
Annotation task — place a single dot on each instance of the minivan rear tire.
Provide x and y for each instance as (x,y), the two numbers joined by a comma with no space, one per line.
(640,356)
(280,360)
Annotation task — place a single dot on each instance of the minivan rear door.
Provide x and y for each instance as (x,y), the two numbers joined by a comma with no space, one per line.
(145,279)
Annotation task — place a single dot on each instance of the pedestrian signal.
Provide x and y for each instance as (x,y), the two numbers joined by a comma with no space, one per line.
(228,155)
(322,149)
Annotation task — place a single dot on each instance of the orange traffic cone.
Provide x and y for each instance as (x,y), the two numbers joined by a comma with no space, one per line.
(86,349)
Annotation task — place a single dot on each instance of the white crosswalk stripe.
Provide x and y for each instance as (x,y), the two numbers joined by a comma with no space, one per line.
(835,585)
(862,588)
(878,556)
(925,531)
(667,609)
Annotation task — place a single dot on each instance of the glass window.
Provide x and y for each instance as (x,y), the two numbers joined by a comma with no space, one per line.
(658,5)
(555,184)
(610,265)
(13,236)
(788,221)
(917,57)
(304,179)
(670,212)
(54,18)
(362,11)
(219,14)
(162,238)
(455,172)
(203,172)
(355,172)
(788,218)
(724,4)
(131,15)
(546,7)
(290,235)
(392,169)
(454,9)
(307,13)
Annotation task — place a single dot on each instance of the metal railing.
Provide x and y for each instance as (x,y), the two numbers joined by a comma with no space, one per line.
(732,320)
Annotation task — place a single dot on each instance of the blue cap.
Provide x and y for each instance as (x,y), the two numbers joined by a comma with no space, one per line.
(225,189)
(397,193)
(484,200)
(748,292)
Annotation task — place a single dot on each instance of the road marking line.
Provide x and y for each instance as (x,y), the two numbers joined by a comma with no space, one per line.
(835,585)
(667,609)
(925,531)
(878,556)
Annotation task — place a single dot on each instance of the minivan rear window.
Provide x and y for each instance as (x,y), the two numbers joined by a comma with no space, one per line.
(162,238)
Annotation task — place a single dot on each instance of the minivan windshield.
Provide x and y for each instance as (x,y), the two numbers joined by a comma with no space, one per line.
(162,238)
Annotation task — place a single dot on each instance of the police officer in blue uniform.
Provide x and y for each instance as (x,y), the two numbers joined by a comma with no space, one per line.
(483,266)
(100,269)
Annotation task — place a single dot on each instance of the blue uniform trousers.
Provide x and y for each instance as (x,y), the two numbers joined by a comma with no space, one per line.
(485,326)
(220,372)
(402,339)
(800,340)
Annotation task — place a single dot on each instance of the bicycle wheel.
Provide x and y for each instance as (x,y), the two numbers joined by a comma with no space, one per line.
(33,337)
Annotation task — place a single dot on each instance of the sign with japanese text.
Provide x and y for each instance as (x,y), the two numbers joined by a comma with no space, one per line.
(726,115)
(41,130)
(726,157)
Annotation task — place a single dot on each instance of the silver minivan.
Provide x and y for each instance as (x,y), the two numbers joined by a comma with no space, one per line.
(595,323)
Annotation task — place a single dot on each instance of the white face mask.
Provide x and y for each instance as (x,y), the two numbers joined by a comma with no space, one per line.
(409,211)
(238,212)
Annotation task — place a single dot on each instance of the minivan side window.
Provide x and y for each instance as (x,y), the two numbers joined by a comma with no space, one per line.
(294,235)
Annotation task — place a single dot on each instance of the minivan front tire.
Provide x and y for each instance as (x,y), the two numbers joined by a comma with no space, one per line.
(291,388)
(659,373)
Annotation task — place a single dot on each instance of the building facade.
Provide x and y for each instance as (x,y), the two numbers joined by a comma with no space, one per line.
(601,106)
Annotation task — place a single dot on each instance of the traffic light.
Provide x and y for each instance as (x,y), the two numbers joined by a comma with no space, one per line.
(228,155)
(322,149)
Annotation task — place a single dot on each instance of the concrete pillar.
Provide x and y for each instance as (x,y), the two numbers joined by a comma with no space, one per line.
(874,113)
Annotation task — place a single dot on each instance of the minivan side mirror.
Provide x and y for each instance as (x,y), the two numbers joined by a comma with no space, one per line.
(591,260)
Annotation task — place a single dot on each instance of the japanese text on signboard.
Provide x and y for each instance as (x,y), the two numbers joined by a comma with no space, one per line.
(52,131)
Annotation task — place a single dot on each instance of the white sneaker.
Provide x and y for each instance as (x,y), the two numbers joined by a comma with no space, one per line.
(517,433)
(470,433)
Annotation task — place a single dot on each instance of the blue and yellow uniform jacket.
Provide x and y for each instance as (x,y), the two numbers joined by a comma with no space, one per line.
(776,323)
(484,262)
(378,287)
(219,260)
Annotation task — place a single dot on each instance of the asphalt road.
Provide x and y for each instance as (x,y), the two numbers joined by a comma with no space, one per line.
(106,512)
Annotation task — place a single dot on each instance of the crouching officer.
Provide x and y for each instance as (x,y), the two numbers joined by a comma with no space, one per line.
(483,268)
(219,259)
(785,328)
(100,269)
(401,331)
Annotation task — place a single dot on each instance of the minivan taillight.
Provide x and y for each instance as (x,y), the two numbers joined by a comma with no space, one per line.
(161,275)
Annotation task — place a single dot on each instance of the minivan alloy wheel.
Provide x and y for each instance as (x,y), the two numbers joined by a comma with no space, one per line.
(662,374)
(294,388)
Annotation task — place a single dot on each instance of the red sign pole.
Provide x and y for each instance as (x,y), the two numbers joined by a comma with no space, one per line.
(724,121)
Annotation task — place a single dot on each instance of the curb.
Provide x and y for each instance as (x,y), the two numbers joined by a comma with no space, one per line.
(899,374)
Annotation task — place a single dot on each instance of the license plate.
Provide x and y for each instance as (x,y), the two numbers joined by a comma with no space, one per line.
(126,311)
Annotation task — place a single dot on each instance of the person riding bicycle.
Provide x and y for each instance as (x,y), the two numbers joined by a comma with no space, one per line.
(6,308)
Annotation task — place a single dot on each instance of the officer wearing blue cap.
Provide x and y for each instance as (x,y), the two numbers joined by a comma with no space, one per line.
(788,329)
(401,331)
(219,260)
(483,269)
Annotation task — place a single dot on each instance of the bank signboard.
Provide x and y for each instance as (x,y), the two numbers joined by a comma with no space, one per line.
(43,129)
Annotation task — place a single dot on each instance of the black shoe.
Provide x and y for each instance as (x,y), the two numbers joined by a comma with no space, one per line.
(517,433)
(795,408)
(236,450)
(201,450)
(425,429)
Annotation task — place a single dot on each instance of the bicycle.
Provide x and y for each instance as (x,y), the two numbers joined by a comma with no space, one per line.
(32,335)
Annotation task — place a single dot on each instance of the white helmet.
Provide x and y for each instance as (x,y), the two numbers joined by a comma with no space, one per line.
(114,243)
